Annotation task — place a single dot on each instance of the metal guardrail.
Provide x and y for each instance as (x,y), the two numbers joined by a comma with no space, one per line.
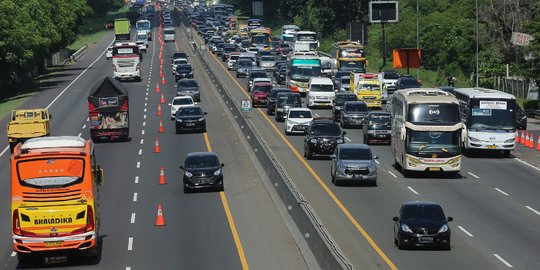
(325,250)
(75,56)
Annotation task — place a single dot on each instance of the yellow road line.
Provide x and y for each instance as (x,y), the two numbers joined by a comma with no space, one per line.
(319,180)
(230,219)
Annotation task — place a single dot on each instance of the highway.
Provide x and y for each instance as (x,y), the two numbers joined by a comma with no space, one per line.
(240,228)
(493,201)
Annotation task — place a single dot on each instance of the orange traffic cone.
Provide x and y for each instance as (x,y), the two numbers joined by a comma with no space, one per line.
(538,144)
(160,221)
(159,113)
(161,61)
(517,136)
(157,149)
(522,142)
(163,80)
(531,141)
(157,88)
(162,99)
(160,55)
(162,176)
(161,128)
(526,143)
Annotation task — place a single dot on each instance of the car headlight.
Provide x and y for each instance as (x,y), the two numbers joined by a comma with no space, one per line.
(174,109)
(311,97)
(313,140)
(188,174)
(510,140)
(473,139)
(217,173)
(340,167)
(372,169)
(200,119)
(444,228)
(339,140)
(179,120)
(406,228)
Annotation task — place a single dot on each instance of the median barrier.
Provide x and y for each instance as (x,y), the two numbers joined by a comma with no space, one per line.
(325,250)
(75,56)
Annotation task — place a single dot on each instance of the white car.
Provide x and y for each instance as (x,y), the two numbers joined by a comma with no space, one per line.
(178,61)
(298,119)
(262,80)
(179,102)
(108,54)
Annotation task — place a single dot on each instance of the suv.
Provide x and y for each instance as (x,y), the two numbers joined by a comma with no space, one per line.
(243,67)
(271,100)
(339,99)
(183,71)
(284,102)
(255,73)
(259,93)
(322,137)
(231,60)
(353,162)
(353,113)
(405,82)
(377,127)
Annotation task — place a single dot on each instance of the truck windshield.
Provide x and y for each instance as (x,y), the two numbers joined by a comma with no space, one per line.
(492,115)
(352,65)
(445,143)
(305,72)
(260,40)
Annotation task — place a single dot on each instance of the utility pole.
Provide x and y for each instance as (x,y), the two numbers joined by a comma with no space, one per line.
(477,64)
(417,37)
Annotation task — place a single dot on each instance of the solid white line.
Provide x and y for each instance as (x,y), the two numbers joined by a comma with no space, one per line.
(475,176)
(504,193)
(135,196)
(136,179)
(130,243)
(413,191)
(142,141)
(347,139)
(84,126)
(530,165)
(128,268)
(503,261)
(532,209)
(132,218)
(138,164)
(79,134)
(142,132)
(13,254)
(140,152)
(392,174)
(465,231)
(378,162)
(4,151)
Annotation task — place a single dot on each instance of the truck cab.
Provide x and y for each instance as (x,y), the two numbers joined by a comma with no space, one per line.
(26,124)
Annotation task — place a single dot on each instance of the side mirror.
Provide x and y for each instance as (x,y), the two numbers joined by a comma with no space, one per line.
(375,157)
(170,104)
(344,133)
(181,167)
(222,164)
(402,134)
(205,113)
(450,219)
(395,218)
(99,175)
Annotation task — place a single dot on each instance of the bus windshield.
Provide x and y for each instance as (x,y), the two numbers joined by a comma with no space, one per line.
(352,65)
(433,114)
(58,172)
(305,72)
(426,143)
(143,25)
(492,115)
(260,39)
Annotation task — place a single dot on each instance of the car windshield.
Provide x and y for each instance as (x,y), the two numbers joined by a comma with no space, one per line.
(187,83)
(200,162)
(434,212)
(356,107)
(354,154)
(195,111)
(245,63)
(262,88)
(345,80)
(321,88)
(296,100)
(180,61)
(325,129)
(391,75)
(182,101)
(229,49)
(267,58)
(258,75)
(300,114)
(186,68)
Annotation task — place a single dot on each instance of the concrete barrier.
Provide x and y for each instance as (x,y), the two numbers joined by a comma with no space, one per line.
(75,56)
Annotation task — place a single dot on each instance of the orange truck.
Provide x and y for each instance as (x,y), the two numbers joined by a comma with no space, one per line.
(54,197)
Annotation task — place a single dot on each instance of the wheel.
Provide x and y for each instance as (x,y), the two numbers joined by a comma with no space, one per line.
(177,131)
(506,153)
(447,247)
(286,132)
(406,173)
(308,154)
(400,245)
(23,257)
(333,177)
(187,190)
(366,141)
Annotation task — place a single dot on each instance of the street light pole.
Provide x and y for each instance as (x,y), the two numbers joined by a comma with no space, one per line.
(417,38)
(477,65)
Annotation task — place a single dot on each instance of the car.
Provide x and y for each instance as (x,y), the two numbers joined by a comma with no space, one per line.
(405,82)
(219,49)
(108,54)
(421,224)
(179,102)
(521,119)
(279,65)
(281,77)
(244,45)
(178,55)
(259,93)
(284,102)
(141,39)
(388,79)
(339,74)
(226,52)
(353,163)
(243,67)
(168,34)
(271,100)
(353,114)
(260,80)
(189,87)
(337,104)
(297,120)
(202,170)
(190,118)
(322,137)
(255,73)
(377,127)
(183,71)
(231,60)
(284,49)
(343,83)
(178,61)
(267,62)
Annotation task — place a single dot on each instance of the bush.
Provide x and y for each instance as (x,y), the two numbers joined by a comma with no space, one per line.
(531,104)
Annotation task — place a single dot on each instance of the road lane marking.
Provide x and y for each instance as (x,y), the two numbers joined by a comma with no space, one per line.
(413,191)
(136,179)
(474,175)
(13,254)
(132,218)
(465,231)
(342,207)
(378,162)
(128,268)
(207,141)
(144,124)
(145,110)
(347,139)
(142,141)
(140,152)
(524,162)
(504,193)
(135,196)
(144,116)
(145,104)
(503,261)
(130,243)
(392,174)
(138,164)
(84,126)
(316,115)
(532,209)
(142,132)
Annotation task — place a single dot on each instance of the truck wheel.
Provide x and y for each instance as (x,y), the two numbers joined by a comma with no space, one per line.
(12,146)
(23,257)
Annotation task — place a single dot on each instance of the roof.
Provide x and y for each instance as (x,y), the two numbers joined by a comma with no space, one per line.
(483,93)
(200,154)
(300,109)
(318,80)
(108,87)
(54,142)
(426,95)
(353,146)
(420,202)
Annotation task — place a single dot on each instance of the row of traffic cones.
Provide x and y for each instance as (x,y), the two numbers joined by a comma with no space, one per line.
(527,140)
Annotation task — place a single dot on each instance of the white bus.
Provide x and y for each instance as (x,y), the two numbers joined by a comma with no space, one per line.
(126,60)
(307,37)
(490,118)
(426,131)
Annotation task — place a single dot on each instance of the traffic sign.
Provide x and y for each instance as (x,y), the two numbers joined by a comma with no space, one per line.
(246,105)
(520,39)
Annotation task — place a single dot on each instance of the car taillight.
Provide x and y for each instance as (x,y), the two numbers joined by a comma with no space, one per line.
(16,225)
(138,67)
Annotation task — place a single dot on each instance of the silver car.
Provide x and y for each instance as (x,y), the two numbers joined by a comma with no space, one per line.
(267,62)
(353,163)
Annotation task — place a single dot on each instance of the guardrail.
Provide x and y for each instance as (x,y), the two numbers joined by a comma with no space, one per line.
(75,56)
(325,250)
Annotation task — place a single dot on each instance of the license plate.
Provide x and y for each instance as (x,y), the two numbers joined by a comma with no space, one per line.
(434,169)
(53,244)
(190,124)
(492,147)
(425,240)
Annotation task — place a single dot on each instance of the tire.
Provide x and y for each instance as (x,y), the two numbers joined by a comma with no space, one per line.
(187,190)
(23,257)
(309,155)
(447,247)
(237,76)
(506,153)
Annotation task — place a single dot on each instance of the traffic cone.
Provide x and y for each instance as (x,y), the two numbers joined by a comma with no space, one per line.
(157,88)
(162,100)
(161,128)
(538,144)
(162,176)
(517,136)
(159,113)
(161,61)
(160,221)
(163,80)
(160,55)
(531,141)
(526,143)
(522,142)
(157,149)
(160,68)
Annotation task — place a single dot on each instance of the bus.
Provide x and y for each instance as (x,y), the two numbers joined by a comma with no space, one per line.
(307,37)
(288,31)
(254,23)
(126,60)
(302,68)
(426,131)
(350,56)
(144,26)
(261,38)
(490,119)
(55,197)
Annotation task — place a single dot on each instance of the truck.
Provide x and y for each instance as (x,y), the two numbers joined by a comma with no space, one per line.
(26,124)
(108,111)
(367,88)
(122,29)
(350,56)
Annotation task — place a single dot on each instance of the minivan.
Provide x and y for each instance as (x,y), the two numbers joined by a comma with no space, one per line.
(320,92)
(168,34)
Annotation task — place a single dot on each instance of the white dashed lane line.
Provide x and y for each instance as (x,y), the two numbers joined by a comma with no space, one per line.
(503,261)
(84,126)
(145,110)
(140,152)
(392,174)
(132,218)
(142,141)
(465,231)
(347,139)
(502,192)
(138,164)
(130,243)
(144,116)
(136,179)
(532,209)
(144,124)
(473,175)
(376,161)
(135,196)
(412,190)
(142,132)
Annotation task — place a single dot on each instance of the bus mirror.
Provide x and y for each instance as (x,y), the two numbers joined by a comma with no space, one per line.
(99,175)
(403,133)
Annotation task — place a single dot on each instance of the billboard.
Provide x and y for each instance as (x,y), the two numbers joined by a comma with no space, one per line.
(383,11)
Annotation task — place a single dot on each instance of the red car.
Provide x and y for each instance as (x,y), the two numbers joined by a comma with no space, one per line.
(259,93)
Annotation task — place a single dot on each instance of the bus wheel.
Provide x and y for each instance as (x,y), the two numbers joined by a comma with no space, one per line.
(406,173)
(24,257)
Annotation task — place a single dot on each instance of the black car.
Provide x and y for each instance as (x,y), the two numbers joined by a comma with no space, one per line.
(271,101)
(405,82)
(202,170)
(281,77)
(339,74)
(322,137)
(219,49)
(190,119)
(188,87)
(227,50)
(421,224)
(177,55)
(183,71)
(353,113)
(377,127)
(339,99)
(285,101)
(255,73)
(521,119)
(279,64)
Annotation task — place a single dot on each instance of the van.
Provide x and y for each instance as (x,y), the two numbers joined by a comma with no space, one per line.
(168,34)
(320,92)
(249,55)
(142,41)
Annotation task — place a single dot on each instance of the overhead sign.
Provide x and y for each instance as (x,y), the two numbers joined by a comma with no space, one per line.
(383,11)
(246,105)
(521,39)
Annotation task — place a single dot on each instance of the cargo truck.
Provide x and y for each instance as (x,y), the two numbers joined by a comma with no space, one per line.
(122,29)
(108,111)
(26,124)
(368,88)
